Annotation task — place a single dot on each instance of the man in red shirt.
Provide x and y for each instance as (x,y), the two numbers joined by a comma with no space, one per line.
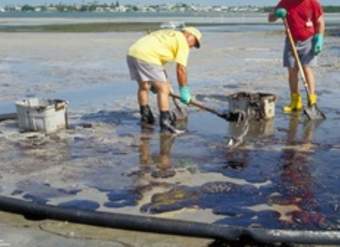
(306,21)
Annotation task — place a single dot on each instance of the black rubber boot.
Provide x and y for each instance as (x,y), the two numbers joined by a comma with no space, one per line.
(146,115)
(167,123)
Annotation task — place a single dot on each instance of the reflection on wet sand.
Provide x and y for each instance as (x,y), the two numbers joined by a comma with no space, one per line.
(297,182)
(223,198)
(162,160)
(257,130)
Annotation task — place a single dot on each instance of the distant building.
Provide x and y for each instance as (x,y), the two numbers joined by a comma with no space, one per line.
(51,9)
(172,25)
(122,8)
(77,7)
(2,10)
(217,8)
(164,7)
(100,9)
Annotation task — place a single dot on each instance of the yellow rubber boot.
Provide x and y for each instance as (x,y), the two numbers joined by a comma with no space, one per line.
(295,104)
(313,99)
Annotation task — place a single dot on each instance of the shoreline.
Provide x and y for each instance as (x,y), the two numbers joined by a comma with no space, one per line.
(107,27)
(92,24)
(115,26)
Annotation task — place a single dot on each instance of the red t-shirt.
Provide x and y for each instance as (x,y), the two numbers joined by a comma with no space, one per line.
(302,17)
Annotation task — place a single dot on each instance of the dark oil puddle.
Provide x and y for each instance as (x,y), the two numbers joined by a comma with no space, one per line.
(41,193)
(111,117)
(81,205)
(290,153)
(122,198)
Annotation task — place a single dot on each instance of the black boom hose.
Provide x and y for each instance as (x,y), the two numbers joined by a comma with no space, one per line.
(121,221)
(166,226)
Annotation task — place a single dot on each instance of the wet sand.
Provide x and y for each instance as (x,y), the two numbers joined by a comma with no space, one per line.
(106,159)
(17,231)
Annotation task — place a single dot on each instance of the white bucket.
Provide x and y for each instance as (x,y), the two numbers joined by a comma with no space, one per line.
(257,105)
(42,115)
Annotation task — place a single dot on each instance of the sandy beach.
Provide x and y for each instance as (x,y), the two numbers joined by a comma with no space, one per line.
(105,159)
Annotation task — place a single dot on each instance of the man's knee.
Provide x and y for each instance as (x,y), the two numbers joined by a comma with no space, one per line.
(307,68)
(294,71)
(163,87)
(144,85)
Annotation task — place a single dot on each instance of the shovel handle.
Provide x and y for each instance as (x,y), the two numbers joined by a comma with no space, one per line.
(296,55)
(198,105)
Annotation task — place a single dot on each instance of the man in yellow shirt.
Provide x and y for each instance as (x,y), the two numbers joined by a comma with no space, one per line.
(146,58)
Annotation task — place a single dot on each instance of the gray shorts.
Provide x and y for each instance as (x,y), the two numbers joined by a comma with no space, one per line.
(305,50)
(143,71)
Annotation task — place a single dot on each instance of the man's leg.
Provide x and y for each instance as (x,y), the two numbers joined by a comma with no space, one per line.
(163,92)
(143,101)
(295,98)
(293,77)
(167,121)
(143,93)
(310,78)
(311,84)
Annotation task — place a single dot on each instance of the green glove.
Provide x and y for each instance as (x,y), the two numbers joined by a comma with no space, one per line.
(318,43)
(185,94)
(280,13)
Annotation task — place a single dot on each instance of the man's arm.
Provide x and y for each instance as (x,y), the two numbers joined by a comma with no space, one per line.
(182,76)
(272,17)
(278,12)
(320,25)
(319,36)
(182,79)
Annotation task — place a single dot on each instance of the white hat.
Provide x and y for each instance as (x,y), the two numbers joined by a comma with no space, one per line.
(196,33)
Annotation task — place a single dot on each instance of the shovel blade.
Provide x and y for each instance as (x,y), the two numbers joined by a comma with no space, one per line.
(236,116)
(314,113)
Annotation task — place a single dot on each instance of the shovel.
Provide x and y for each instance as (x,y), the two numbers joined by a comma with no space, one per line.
(311,111)
(229,116)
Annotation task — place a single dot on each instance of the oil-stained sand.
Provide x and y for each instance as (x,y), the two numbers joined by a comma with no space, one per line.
(284,176)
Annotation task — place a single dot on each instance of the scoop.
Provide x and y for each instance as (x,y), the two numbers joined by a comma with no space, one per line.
(236,116)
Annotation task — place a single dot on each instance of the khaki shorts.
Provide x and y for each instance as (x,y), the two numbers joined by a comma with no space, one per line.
(143,71)
(305,50)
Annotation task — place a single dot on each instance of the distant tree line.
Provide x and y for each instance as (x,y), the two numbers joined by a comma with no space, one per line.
(327,9)
(332,9)
(95,6)
(63,7)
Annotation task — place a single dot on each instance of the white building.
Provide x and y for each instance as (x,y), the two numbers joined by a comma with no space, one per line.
(100,9)
(164,7)
(204,8)
(51,9)
(122,8)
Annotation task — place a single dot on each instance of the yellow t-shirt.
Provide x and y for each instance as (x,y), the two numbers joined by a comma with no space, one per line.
(161,47)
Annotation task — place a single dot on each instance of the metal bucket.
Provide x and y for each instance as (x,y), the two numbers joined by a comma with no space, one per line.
(41,115)
(259,106)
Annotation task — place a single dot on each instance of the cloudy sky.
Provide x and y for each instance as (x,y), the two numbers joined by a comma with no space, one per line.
(225,2)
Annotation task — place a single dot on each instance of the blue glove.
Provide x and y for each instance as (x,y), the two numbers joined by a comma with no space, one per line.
(185,94)
(318,43)
(280,13)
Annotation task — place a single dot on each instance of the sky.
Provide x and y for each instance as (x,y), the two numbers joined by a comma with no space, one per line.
(207,2)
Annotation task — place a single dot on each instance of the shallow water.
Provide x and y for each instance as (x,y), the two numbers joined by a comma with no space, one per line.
(285,175)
